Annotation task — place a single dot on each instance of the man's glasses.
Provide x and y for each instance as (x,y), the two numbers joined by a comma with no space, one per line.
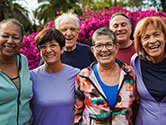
(108,46)
(51,46)
(72,29)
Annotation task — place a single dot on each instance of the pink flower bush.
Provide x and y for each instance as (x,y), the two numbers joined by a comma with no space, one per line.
(90,21)
(30,50)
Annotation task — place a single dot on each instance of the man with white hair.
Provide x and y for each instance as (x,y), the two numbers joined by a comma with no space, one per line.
(75,54)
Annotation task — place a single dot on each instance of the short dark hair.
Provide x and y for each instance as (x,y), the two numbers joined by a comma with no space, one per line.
(16,22)
(47,35)
(104,31)
(121,14)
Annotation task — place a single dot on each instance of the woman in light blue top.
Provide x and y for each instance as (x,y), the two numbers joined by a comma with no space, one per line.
(53,82)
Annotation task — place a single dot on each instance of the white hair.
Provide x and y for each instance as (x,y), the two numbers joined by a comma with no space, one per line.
(66,17)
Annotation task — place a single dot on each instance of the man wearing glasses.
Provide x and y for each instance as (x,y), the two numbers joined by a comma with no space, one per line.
(75,54)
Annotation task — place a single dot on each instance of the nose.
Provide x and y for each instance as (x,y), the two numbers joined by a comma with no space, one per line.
(104,48)
(120,27)
(48,48)
(10,40)
(152,39)
(68,32)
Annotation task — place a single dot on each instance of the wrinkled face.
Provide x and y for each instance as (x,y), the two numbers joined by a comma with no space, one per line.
(10,39)
(70,31)
(51,52)
(104,50)
(121,27)
(153,42)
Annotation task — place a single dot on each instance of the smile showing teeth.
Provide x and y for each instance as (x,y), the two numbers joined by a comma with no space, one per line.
(69,38)
(9,47)
(50,56)
(120,33)
(104,55)
(154,47)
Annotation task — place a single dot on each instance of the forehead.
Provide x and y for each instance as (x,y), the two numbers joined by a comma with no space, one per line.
(103,39)
(150,28)
(68,23)
(51,41)
(10,27)
(119,19)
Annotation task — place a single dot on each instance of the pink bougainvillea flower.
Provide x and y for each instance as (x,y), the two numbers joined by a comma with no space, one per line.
(90,21)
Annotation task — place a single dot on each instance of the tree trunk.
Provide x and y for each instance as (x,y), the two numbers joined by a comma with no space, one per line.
(115,3)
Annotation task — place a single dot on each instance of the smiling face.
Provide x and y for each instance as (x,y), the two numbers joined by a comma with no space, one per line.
(122,28)
(153,42)
(104,56)
(51,52)
(10,39)
(70,31)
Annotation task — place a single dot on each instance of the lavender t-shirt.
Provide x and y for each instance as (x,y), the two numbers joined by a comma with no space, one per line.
(53,96)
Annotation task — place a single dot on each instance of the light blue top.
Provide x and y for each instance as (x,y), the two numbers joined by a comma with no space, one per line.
(109,91)
(14,103)
(53,100)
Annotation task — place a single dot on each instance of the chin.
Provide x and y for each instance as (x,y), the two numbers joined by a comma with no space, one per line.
(105,63)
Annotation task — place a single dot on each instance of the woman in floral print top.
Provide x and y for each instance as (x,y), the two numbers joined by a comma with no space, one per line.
(105,91)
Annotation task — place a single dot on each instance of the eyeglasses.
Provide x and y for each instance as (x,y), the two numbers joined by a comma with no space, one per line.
(72,29)
(108,46)
(51,46)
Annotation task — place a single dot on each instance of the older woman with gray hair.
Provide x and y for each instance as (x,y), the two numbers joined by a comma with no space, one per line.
(15,83)
(105,91)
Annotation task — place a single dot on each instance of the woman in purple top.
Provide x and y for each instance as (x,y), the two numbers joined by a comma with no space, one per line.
(150,68)
(53,82)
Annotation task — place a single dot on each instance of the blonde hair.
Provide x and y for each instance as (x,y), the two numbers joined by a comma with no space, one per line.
(140,29)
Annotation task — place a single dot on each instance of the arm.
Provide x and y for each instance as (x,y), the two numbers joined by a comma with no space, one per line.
(136,102)
(79,105)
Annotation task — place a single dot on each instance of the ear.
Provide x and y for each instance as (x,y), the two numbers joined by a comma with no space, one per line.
(62,50)
(92,49)
(41,54)
(117,48)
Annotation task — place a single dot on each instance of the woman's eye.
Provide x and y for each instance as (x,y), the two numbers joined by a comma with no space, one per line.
(145,37)
(5,36)
(53,45)
(16,38)
(43,47)
(157,34)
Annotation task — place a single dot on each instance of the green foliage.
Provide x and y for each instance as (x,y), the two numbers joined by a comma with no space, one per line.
(12,9)
(135,4)
(97,5)
(48,9)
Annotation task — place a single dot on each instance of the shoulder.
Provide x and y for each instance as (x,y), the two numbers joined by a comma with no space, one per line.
(71,69)
(84,46)
(22,57)
(86,72)
(22,62)
(134,59)
(128,69)
(35,72)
